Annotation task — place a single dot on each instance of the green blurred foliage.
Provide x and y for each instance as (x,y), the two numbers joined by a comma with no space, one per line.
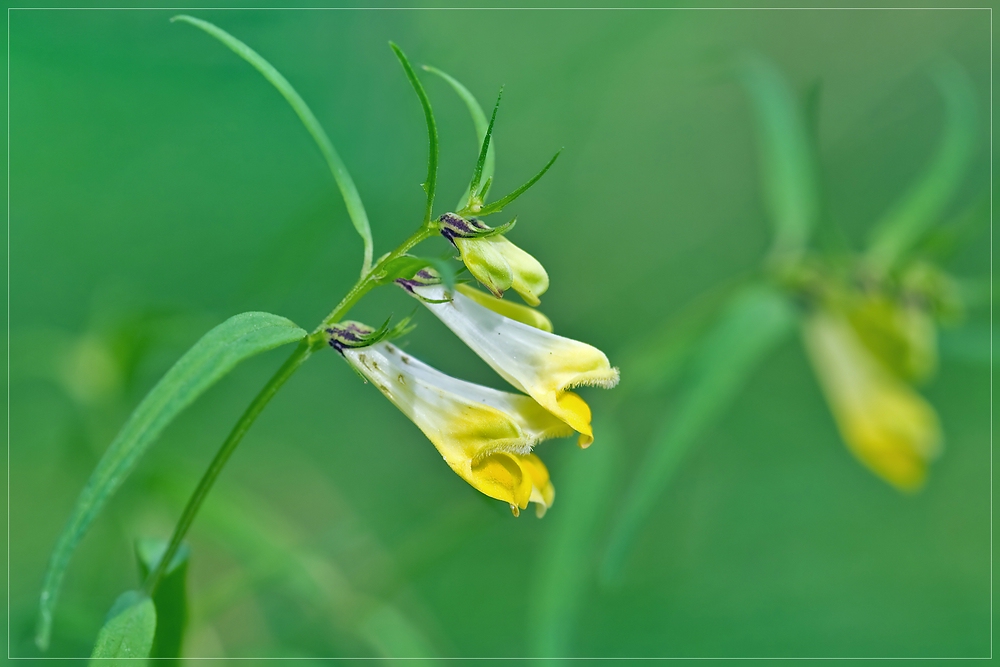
(158,186)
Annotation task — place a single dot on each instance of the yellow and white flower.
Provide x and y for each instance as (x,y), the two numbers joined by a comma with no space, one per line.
(539,363)
(885,423)
(484,435)
(494,261)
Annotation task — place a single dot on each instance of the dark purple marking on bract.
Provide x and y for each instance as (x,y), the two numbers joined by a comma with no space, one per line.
(348,335)
(421,278)
(456,227)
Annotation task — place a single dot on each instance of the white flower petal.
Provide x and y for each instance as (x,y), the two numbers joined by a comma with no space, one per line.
(485,435)
(541,364)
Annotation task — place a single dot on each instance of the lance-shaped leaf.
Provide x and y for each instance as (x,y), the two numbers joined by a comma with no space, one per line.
(355,208)
(430,184)
(922,206)
(567,558)
(484,151)
(787,162)
(754,323)
(479,122)
(498,205)
(128,630)
(238,338)
(170,598)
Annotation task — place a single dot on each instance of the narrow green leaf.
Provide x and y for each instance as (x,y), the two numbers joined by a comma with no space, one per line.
(499,205)
(477,173)
(906,222)
(788,165)
(170,598)
(430,185)
(355,208)
(238,338)
(128,630)
(480,124)
(566,564)
(756,321)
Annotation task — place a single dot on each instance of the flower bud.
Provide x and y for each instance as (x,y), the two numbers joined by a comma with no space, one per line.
(495,262)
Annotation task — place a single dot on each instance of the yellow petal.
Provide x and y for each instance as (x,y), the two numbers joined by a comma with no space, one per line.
(542,492)
(515,479)
(885,423)
(483,434)
(500,476)
(510,309)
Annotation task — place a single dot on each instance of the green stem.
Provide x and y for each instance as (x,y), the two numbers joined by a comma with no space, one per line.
(310,344)
(297,358)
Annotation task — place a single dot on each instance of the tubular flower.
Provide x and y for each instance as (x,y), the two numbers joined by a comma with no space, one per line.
(885,423)
(541,364)
(484,435)
(495,262)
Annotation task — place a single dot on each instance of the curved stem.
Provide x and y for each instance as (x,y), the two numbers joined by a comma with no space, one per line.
(310,344)
(292,364)
(371,279)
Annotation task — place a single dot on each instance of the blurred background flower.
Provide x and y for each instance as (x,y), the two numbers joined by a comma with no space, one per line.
(147,161)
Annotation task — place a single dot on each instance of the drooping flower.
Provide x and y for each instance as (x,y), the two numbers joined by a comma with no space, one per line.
(494,261)
(484,435)
(884,422)
(539,363)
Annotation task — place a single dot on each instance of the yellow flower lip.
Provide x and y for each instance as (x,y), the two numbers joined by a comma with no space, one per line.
(541,364)
(885,423)
(484,435)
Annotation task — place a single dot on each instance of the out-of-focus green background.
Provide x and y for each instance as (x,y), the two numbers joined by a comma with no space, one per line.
(158,185)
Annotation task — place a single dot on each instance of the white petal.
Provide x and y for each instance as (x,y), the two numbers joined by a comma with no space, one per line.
(541,364)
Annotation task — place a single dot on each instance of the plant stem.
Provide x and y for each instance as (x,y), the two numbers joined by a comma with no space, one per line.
(297,358)
(310,344)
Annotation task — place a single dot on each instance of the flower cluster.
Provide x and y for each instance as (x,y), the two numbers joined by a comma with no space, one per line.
(890,427)
(870,343)
(485,435)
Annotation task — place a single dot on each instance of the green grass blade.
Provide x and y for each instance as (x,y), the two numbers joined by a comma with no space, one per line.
(355,208)
(756,321)
(218,352)
(170,598)
(922,206)
(565,569)
(128,631)
(479,122)
(788,165)
(499,205)
(430,185)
